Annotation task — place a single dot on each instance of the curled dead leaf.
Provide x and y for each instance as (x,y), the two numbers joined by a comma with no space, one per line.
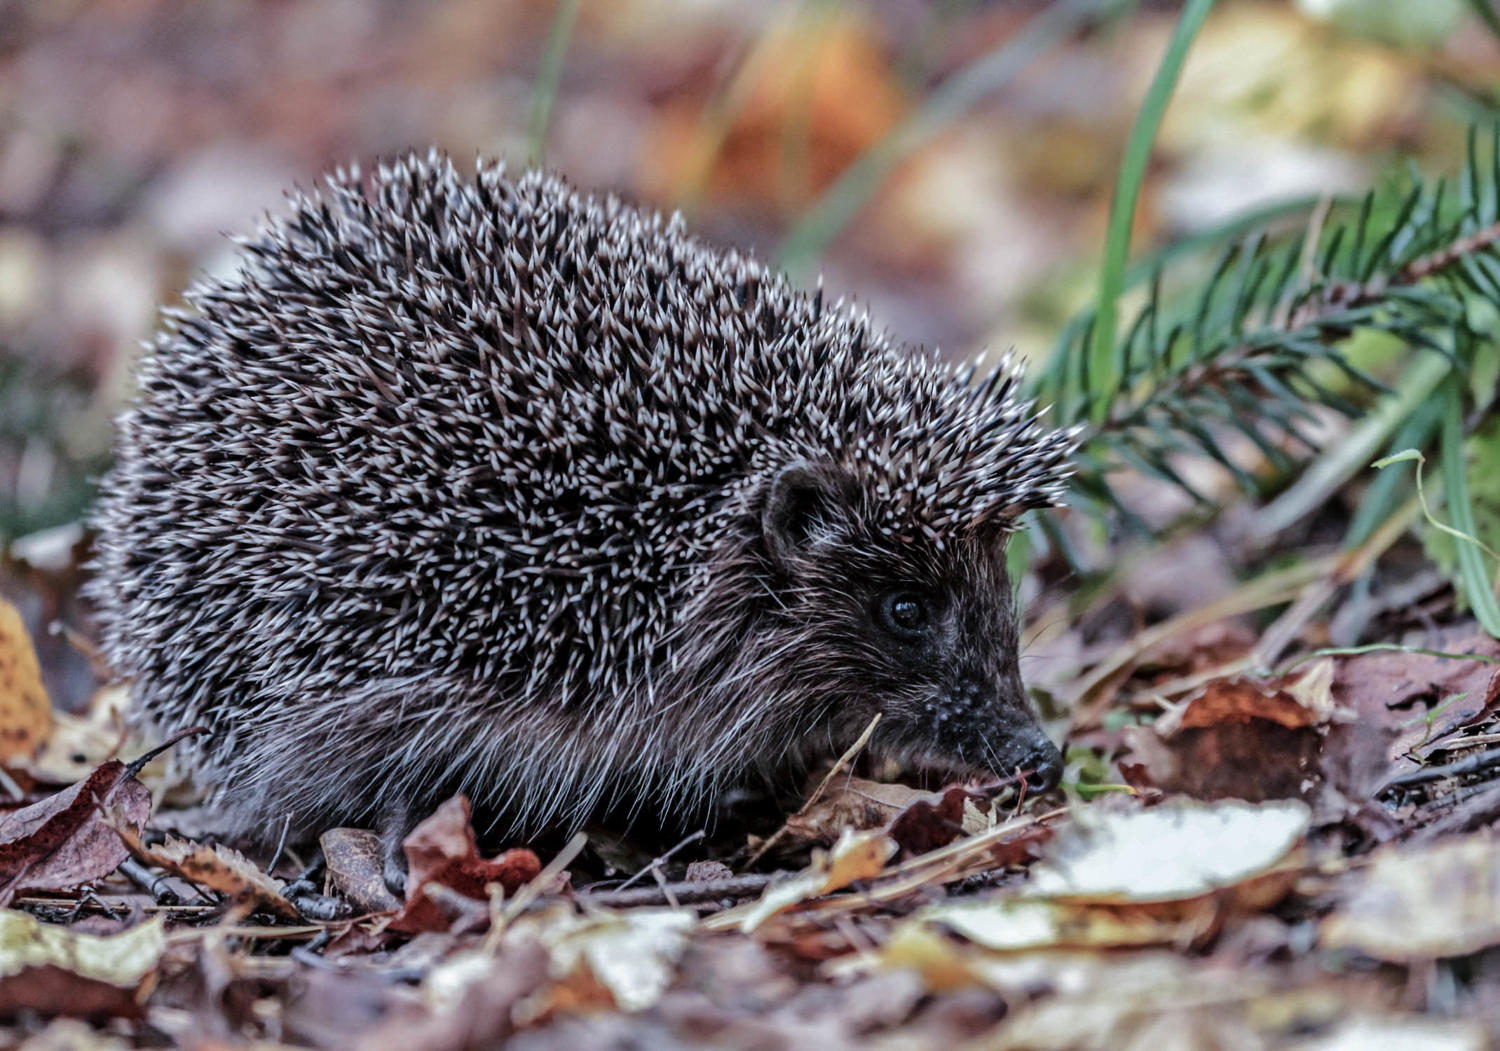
(216,867)
(356,867)
(1240,738)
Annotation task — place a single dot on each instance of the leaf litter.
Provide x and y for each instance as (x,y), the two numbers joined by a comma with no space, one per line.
(1269,862)
(1255,861)
(1156,917)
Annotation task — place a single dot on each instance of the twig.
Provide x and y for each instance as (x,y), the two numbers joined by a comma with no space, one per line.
(962,857)
(1443,258)
(1476,812)
(84,646)
(1350,566)
(463,913)
(188,935)
(1230,365)
(1269,590)
(1470,765)
(9,785)
(119,907)
(139,763)
(149,882)
(688,892)
(1344,295)
(665,888)
(286,827)
(657,862)
(533,889)
(844,760)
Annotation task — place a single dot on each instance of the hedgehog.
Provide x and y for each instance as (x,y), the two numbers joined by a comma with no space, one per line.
(478,484)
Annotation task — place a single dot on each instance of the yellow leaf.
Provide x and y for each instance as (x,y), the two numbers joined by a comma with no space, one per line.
(25,712)
(856,856)
(123,960)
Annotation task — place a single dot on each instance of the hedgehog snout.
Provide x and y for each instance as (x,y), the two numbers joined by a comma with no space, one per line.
(1037,758)
(986,723)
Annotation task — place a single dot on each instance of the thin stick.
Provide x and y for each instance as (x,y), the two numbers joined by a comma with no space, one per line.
(529,893)
(666,888)
(844,760)
(1469,765)
(1351,565)
(655,862)
(9,785)
(1269,590)
(962,857)
(687,892)
(80,642)
(286,827)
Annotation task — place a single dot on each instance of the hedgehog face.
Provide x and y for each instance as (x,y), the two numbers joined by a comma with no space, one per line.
(921,632)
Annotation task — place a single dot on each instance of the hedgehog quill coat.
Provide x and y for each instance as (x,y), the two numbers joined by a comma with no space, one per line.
(481,485)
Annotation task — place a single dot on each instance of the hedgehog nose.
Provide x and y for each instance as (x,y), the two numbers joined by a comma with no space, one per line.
(1043,766)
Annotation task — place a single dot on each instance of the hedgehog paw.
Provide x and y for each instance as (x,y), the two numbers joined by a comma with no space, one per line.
(395,875)
(394,825)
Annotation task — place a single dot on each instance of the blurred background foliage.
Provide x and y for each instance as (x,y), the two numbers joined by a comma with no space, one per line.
(949,164)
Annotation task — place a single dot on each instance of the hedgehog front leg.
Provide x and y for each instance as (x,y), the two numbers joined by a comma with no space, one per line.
(395,823)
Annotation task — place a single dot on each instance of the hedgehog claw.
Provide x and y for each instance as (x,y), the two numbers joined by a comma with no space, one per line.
(394,826)
(395,875)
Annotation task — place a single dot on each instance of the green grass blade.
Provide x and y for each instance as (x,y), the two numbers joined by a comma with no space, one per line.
(548,73)
(839,204)
(1105,370)
(1471,567)
(1392,485)
(1487,15)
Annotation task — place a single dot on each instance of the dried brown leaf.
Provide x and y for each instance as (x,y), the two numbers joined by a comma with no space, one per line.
(219,868)
(64,841)
(1239,738)
(356,866)
(442,850)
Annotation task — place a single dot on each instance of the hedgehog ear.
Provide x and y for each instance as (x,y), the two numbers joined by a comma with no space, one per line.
(801,496)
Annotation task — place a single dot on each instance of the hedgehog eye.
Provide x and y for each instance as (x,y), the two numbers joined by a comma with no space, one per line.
(905,615)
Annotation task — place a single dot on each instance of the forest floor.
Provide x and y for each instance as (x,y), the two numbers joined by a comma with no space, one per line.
(1277,826)
(1298,858)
